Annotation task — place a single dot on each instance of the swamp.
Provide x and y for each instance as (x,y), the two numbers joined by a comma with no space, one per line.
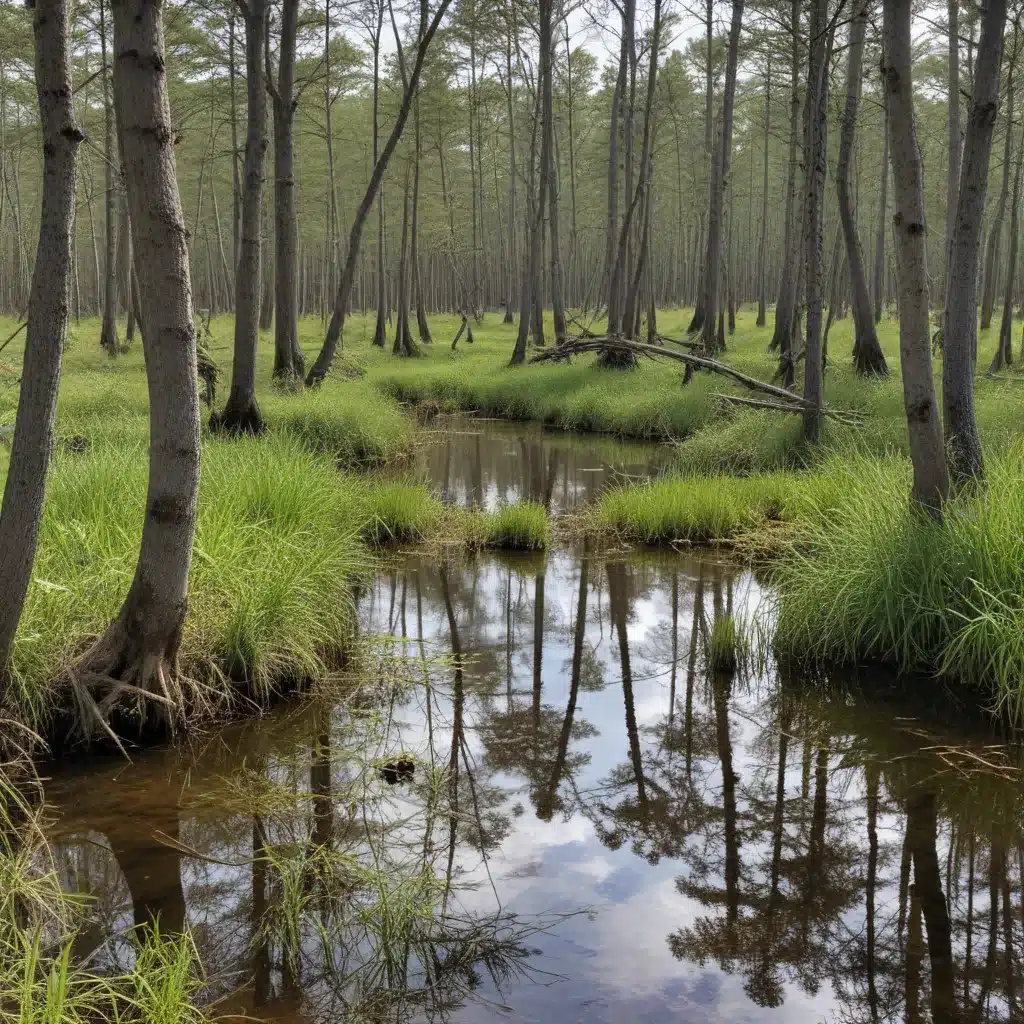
(512,510)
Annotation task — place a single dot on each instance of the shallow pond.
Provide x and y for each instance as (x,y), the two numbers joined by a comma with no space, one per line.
(539,798)
(477,462)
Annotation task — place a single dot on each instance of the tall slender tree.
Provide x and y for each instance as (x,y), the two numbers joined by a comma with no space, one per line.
(960,346)
(49,303)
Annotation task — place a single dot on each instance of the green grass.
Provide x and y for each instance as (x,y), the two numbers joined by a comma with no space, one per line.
(399,513)
(869,578)
(276,550)
(521,526)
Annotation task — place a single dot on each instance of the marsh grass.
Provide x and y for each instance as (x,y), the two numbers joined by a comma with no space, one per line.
(398,513)
(870,578)
(520,526)
(276,551)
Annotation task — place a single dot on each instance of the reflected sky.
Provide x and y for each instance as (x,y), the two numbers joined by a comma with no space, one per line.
(605,816)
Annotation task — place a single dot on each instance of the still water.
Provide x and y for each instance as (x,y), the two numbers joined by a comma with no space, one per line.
(539,800)
(485,463)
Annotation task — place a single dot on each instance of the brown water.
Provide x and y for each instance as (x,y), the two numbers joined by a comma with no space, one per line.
(538,800)
(477,462)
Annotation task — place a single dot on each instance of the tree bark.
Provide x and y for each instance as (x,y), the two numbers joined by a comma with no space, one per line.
(815,169)
(992,250)
(878,270)
(324,360)
(785,305)
(868,357)
(927,454)
(49,301)
(953,131)
(141,645)
(289,363)
(722,158)
(1004,350)
(960,344)
(241,414)
(762,245)
(108,329)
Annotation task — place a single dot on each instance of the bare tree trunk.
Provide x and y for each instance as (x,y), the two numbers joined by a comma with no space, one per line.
(241,414)
(236,183)
(404,345)
(955,142)
(141,645)
(1004,350)
(422,326)
(528,296)
(927,453)
(548,154)
(785,305)
(868,357)
(762,246)
(48,306)
(992,250)
(815,167)
(323,362)
(512,263)
(960,344)
(878,270)
(289,363)
(108,331)
(722,159)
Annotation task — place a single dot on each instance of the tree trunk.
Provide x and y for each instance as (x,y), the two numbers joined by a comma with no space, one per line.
(548,154)
(141,645)
(289,363)
(953,131)
(48,306)
(422,326)
(324,360)
(721,161)
(1004,350)
(878,270)
(868,357)
(815,169)
(108,330)
(508,318)
(927,453)
(960,344)
(241,414)
(785,305)
(762,245)
(404,345)
(992,250)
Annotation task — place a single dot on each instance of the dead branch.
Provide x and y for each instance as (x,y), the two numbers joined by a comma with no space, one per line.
(842,415)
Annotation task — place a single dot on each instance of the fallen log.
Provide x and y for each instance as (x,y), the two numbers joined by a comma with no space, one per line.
(847,416)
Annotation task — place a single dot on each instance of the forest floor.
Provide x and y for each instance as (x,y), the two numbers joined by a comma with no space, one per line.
(283,534)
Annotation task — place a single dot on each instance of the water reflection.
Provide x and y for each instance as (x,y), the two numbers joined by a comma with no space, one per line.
(485,463)
(548,734)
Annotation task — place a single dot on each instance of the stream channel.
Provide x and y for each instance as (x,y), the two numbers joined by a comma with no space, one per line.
(538,800)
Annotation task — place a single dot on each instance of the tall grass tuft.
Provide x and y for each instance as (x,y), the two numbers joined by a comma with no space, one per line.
(872,578)
(521,526)
(276,550)
(398,513)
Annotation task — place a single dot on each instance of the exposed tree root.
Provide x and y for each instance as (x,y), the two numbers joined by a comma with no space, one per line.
(241,415)
(116,683)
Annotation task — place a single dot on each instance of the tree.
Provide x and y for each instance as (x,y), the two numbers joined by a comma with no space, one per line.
(108,330)
(960,344)
(139,649)
(867,352)
(815,166)
(289,363)
(927,453)
(721,160)
(242,413)
(426,33)
(49,302)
